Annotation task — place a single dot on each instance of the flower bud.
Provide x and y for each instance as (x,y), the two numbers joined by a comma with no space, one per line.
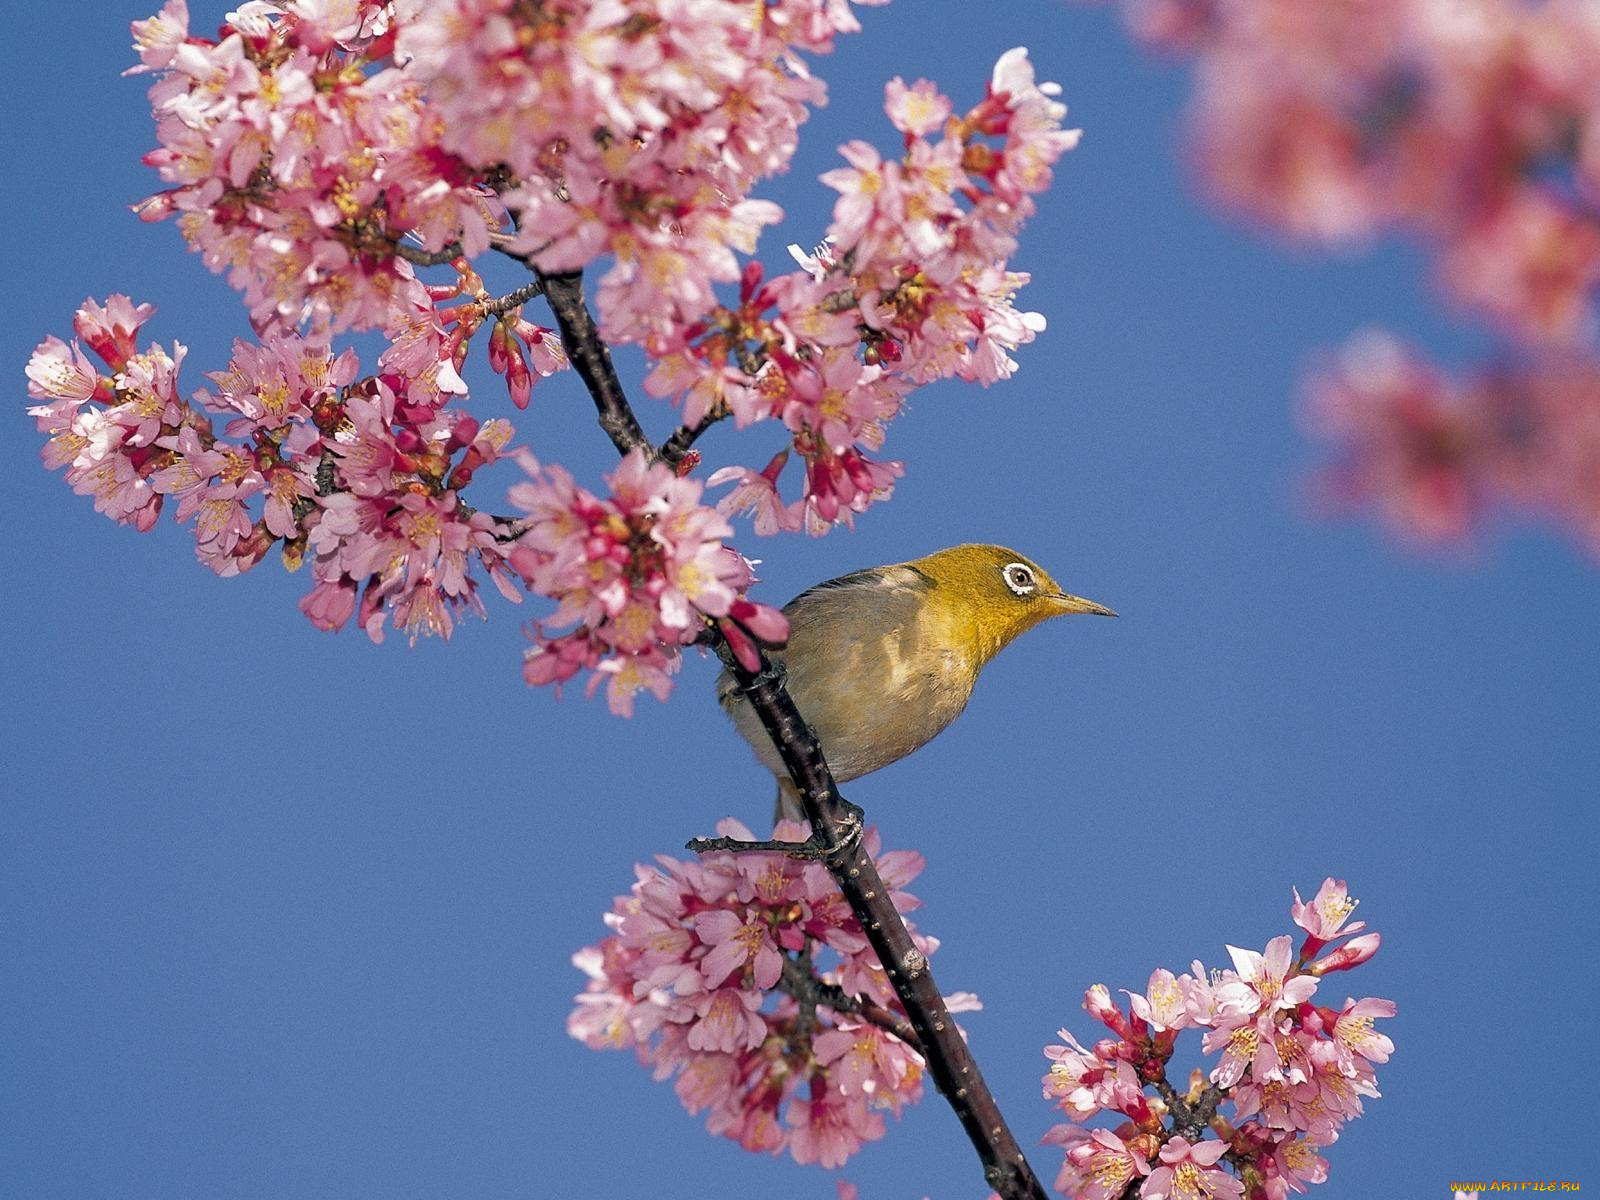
(1352,954)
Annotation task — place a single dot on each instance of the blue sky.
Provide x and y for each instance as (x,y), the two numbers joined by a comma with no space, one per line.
(289,915)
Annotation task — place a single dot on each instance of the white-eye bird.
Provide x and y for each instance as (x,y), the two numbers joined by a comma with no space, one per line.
(880,661)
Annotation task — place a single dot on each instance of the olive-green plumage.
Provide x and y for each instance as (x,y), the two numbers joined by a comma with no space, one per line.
(880,661)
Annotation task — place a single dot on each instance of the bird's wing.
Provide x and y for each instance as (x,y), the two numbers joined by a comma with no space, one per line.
(898,588)
(896,579)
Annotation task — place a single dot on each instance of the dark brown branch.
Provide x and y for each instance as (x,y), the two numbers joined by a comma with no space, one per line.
(493,308)
(833,821)
(325,473)
(676,448)
(428,258)
(836,823)
(590,357)
(1190,1120)
(799,982)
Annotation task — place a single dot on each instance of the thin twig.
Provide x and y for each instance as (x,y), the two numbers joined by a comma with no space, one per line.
(676,448)
(493,308)
(428,258)
(799,981)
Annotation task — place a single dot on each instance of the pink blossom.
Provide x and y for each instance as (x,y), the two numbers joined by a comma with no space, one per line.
(695,104)
(911,287)
(1470,128)
(917,110)
(1266,982)
(687,980)
(1435,453)
(1099,1165)
(868,1061)
(1189,1171)
(1352,954)
(1163,1005)
(828,1129)
(298,171)
(62,374)
(1297,1162)
(362,475)
(330,604)
(1294,1073)
(638,574)
(738,946)
(1324,917)
(1353,1033)
(112,330)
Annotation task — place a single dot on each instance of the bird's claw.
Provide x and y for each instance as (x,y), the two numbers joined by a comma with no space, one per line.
(775,673)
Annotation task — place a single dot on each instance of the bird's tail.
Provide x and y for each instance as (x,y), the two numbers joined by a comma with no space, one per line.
(787,806)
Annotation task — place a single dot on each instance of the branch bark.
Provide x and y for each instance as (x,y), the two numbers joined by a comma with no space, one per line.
(676,448)
(836,823)
(591,358)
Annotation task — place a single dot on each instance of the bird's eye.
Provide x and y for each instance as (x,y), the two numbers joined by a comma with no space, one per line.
(1019,578)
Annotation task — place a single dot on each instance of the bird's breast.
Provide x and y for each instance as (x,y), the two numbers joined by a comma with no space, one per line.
(872,695)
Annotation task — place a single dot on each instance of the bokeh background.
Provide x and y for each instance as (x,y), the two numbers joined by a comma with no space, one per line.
(289,915)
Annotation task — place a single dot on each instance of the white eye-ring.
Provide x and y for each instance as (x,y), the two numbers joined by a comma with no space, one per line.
(1019,578)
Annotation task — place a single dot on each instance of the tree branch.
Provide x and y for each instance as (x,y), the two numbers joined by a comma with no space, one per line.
(676,448)
(1189,1118)
(835,822)
(504,304)
(833,819)
(427,258)
(798,981)
(591,357)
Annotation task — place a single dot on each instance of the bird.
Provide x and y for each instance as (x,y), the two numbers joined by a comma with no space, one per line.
(880,661)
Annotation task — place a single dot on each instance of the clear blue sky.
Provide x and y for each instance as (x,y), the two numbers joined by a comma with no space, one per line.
(289,915)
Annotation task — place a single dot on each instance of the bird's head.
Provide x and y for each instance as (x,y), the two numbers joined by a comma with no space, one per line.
(988,595)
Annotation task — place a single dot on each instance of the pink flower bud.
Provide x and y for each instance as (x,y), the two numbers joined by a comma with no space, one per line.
(112,331)
(762,620)
(1352,954)
(1097,1002)
(740,644)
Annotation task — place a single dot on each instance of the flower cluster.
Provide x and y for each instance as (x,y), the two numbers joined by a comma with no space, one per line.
(635,130)
(103,428)
(638,573)
(1435,453)
(1474,126)
(320,151)
(1292,1071)
(910,285)
(361,476)
(713,973)
(298,164)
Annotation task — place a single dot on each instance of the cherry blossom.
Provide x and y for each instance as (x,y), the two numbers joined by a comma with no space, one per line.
(1292,1071)
(1189,1172)
(638,574)
(298,166)
(909,286)
(632,130)
(1472,127)
(357,476)
(746,977)
(1434,453)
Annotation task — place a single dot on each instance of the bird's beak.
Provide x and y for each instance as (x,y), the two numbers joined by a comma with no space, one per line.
(1077,604)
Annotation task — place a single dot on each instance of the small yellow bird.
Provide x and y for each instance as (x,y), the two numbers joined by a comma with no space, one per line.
(880,661)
